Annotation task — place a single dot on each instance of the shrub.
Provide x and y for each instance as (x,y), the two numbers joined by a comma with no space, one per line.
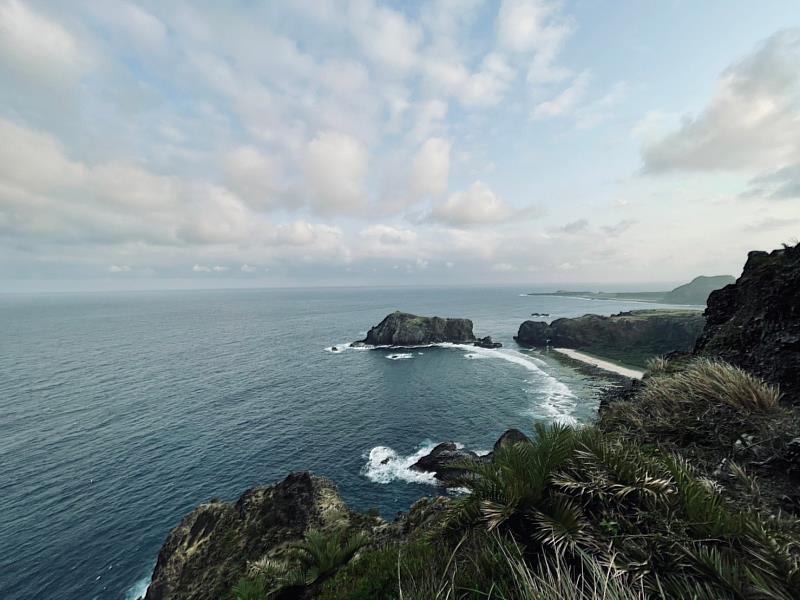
(714,381)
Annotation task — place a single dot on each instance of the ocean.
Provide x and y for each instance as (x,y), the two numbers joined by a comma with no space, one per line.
(123,411)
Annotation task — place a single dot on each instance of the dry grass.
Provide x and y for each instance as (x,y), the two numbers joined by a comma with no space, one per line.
(657,364)
(714,381)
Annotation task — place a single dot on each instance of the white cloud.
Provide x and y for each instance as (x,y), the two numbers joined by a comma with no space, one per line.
(386,36)
(36,48)
(752,122)
(503,267)
(35,160)
(119,269)
(245,268)
(526,26)
(201,269)
(430,168)
(566,101)
(255,176)
(336,168)
(144,30)
(220,269)
(478,205)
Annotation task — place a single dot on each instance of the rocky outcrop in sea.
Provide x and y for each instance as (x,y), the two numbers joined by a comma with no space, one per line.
(404,329)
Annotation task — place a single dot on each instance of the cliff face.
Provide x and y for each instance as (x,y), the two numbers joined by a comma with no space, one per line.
(207,553)
(650,332)
(755,323)
(403,329)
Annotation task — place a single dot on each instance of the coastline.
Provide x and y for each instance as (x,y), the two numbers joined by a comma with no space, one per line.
(600,363)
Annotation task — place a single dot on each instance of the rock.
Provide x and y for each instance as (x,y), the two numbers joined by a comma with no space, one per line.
(540,314)
(404,329)
(755,322)
(650,332)
(487,342)
(207,553)
(440,460)
(510,436)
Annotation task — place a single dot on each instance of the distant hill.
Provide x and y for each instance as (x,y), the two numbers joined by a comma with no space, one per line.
(694,292)
(697,290)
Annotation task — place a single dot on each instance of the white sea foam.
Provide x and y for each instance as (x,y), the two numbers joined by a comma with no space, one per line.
(559,402)
(138,589)
(400,356)
(384,465)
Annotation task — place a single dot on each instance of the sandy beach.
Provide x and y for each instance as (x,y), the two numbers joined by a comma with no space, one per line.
(600,363)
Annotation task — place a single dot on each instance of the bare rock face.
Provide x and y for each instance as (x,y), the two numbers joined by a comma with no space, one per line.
(404,329)
(208,552)
(755,322)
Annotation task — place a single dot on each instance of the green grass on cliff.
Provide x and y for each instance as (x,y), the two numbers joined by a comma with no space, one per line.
(613,511)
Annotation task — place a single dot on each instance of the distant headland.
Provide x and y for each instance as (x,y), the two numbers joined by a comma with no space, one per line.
(694,292)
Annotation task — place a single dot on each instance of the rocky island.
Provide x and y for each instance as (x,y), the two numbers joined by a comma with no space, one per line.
(631,337)
(404,329)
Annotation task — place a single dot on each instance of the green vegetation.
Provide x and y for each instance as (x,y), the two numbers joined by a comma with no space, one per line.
(613,511)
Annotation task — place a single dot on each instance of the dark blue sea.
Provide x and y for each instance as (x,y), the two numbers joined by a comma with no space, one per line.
(123,411)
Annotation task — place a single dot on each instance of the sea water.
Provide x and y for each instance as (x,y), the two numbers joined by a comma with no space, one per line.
(123,411)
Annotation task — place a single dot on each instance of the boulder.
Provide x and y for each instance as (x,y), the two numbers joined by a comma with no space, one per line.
(404,329)
(486,342)
(441,459)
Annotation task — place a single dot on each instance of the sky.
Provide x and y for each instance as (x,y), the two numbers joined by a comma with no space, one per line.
(354,142)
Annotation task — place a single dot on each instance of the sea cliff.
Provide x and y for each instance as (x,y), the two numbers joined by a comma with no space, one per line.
(628,336)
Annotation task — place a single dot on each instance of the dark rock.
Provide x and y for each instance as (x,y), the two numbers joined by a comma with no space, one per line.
(540,314)
(403,329)
(207,553)
(626,390)
(755,322)
(487,342)
(440,461)
(653,332)
(511,436)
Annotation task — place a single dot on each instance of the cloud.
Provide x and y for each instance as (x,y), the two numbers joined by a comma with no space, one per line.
(566,101)
(478,205)
(385,35)
(782,184)
(34,160)
(430,168)
(201,269)
(37,49)
(336,168)
(535,26)
(771,224)
(245,268)
(575,226)
(255,176)
(752,121)
(119,269)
